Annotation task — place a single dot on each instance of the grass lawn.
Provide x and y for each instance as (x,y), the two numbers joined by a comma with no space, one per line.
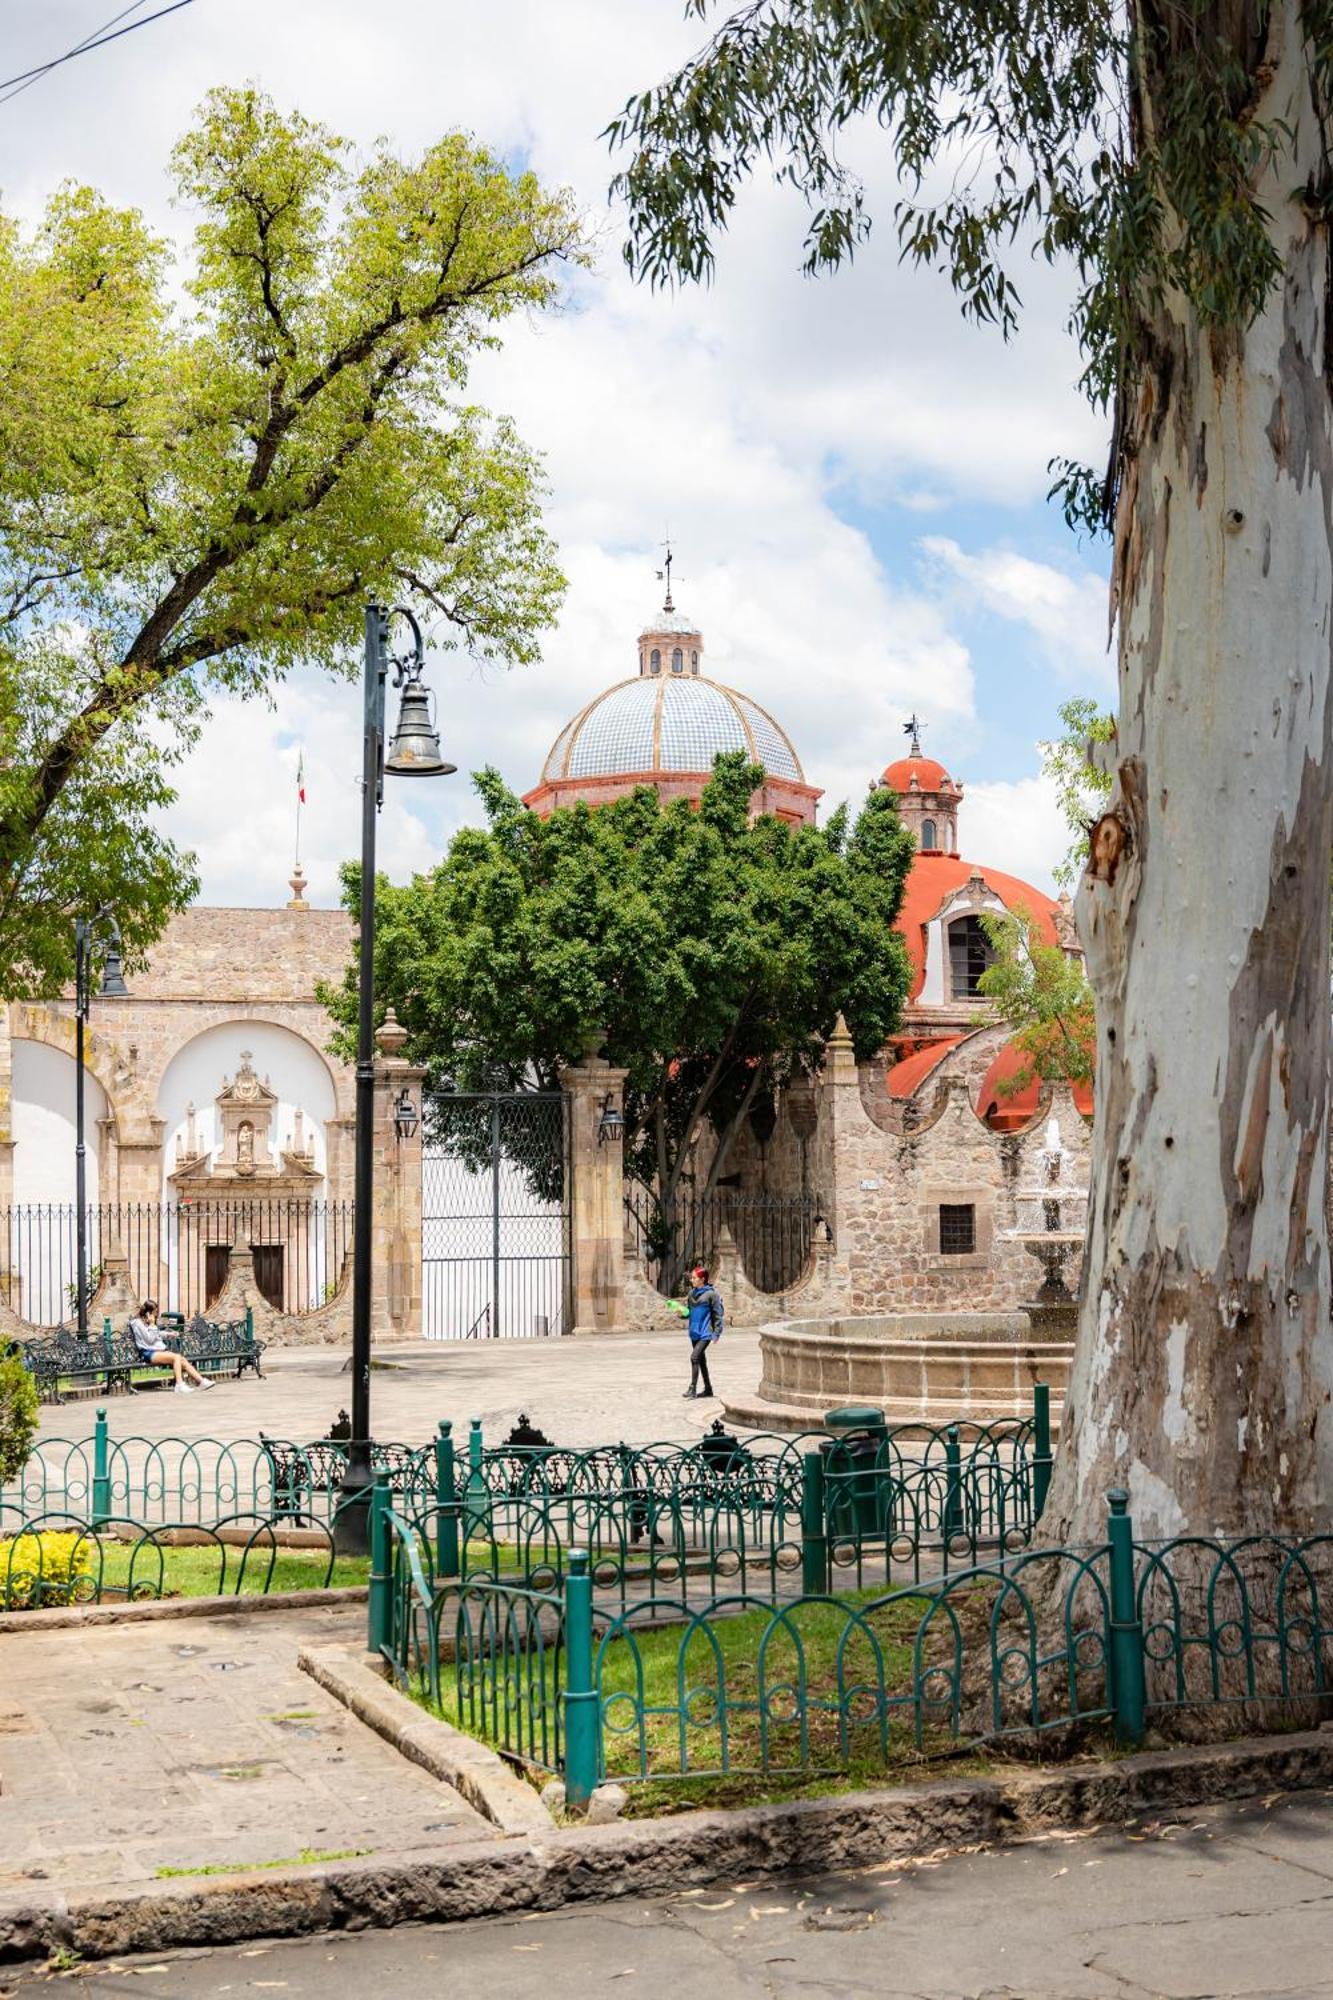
(710,1714)
(198,1572)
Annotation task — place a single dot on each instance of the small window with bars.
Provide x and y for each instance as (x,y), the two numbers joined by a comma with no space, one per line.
(958,1229)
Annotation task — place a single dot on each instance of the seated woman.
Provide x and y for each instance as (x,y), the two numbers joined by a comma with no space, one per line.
(153,1348)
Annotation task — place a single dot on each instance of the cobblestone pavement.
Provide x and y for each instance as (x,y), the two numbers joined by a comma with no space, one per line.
(578,1391)
(185,1744)
(1228,1901)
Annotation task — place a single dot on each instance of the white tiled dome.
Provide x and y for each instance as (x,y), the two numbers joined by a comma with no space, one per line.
(668,724)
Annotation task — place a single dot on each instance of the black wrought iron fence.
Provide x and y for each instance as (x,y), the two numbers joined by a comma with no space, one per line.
(773,1233)
(177,1252)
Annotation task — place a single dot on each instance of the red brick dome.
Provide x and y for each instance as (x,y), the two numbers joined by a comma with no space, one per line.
(929,776)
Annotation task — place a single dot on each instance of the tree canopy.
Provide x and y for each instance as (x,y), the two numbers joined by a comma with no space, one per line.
(1019,127)
(207,466)
(1044,995)
(707,952)
(1082,787)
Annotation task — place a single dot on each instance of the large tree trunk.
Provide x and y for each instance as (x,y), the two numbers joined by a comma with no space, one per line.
(1205,1361)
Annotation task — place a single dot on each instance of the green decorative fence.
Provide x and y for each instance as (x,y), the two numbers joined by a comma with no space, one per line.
(55,1560)
(1035,1642)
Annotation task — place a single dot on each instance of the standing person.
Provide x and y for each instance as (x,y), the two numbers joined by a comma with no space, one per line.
(703,1304)
(154,1350)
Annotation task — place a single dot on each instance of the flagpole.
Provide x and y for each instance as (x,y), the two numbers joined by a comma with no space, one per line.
(300,801)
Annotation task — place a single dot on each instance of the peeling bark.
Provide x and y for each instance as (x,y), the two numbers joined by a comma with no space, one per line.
(1204,1369)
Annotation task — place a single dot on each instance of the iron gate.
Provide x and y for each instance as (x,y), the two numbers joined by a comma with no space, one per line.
(495,1215)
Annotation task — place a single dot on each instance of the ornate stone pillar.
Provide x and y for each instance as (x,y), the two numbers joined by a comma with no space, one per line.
(395,1309)
(597,1200)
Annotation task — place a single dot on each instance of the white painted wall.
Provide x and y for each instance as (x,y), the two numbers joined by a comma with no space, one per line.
(44,1124)
(287,1063)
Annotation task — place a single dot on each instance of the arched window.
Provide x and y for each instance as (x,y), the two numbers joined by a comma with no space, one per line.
(969,956)
(694,663)
(927,836)
(677,661)
(655,662)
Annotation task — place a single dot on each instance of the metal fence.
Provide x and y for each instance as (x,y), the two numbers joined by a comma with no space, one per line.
(177,1252)
(495,1215)
(773,1233)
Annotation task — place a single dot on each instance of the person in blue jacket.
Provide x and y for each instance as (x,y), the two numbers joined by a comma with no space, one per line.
(703,1304)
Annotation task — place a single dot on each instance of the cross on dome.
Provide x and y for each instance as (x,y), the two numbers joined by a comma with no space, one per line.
(913,728)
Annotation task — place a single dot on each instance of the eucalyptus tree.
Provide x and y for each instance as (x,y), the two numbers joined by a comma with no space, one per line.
(1176,154)
(211,454)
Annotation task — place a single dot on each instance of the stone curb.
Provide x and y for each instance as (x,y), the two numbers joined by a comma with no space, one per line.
(61,1616)
(501,1877)
(483,1778)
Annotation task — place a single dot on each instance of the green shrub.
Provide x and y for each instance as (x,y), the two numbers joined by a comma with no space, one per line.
(18,1416)
(43,1566)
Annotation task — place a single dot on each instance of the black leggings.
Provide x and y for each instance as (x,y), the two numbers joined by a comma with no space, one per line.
(699,1365)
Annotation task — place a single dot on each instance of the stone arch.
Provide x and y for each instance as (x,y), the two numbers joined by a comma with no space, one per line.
(104,1059)
(319,1101)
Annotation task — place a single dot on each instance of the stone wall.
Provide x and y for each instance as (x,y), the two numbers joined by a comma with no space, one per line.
(881,1170)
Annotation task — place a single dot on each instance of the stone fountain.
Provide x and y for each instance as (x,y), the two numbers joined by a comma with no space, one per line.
(1052,1218)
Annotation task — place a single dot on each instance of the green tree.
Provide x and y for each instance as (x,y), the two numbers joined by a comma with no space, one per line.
(205,469)
(1044,996)
(1175,155)
(18,1416)
(708,952)
(1082,785)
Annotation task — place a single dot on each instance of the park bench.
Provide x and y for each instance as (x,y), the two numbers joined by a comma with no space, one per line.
(64,1364)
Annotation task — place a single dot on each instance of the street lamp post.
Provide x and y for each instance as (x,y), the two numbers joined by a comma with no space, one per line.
(414,753)
(88,932)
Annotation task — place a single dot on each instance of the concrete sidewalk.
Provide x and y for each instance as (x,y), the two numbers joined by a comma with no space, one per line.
(580,1392)
(194,1744)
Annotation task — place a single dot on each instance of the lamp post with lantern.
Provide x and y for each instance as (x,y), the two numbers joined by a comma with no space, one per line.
(413,753)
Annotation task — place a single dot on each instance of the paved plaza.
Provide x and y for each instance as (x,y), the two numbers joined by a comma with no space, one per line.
(580,1392)
(1227,1901)
(194,1744)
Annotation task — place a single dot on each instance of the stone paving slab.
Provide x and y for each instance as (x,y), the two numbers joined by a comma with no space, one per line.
(128,1749)
(580,1392)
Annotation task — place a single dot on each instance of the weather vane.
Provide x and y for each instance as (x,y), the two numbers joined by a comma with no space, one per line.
(664,574)
(913,728)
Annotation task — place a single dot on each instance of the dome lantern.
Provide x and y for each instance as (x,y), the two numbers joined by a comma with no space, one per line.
(928,798)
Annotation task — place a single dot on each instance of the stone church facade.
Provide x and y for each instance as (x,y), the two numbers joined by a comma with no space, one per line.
(220,1137)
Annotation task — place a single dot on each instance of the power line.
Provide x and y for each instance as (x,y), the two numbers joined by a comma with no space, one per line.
(11,86)
(30,77)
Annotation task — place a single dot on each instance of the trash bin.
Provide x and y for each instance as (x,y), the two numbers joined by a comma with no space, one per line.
(854,1469)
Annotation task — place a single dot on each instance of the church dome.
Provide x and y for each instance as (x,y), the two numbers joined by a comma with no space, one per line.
(664,728)
(655,724)
(922,772)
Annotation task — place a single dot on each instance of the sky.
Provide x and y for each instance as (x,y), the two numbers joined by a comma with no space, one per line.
(852,478)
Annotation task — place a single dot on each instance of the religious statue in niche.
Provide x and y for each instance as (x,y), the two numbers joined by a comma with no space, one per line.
(250,1152)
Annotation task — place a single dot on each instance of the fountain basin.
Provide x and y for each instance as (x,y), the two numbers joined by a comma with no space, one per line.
(936,1368)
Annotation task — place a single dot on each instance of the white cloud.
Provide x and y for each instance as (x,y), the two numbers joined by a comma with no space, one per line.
(740,415)
(1017,827)
(1066,609)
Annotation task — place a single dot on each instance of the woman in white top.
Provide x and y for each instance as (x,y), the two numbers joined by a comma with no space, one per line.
(154,1350)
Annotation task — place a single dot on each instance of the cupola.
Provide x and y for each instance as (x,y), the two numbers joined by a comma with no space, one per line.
(928,798)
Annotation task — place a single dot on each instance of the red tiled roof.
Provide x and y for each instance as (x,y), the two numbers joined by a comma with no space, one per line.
(1016,1107)
(905,1076)
(934,876)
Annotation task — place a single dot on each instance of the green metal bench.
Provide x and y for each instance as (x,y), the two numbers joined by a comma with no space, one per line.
(63,1364)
